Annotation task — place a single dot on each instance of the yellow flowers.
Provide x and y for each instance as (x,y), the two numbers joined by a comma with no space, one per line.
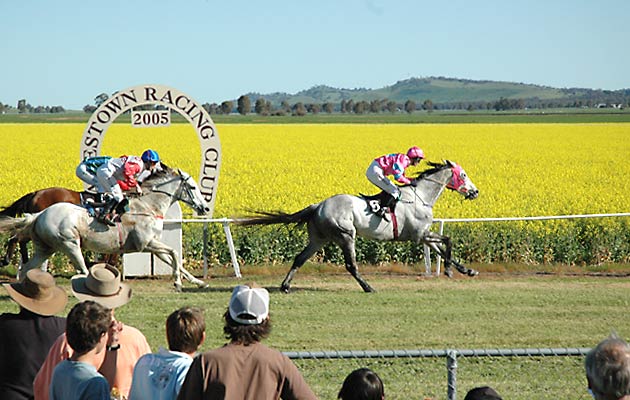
(520,169)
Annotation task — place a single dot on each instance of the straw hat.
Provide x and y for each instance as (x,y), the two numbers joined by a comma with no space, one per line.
(38,293)
(101,285)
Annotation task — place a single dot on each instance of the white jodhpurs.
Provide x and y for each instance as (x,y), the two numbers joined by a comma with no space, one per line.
(106,179)
(86,176)
(375,175)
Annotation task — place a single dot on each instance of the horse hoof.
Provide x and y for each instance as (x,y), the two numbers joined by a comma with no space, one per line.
(448,273)
(178,287)
(202,285)
(369,290)
(284,289)
(472,272)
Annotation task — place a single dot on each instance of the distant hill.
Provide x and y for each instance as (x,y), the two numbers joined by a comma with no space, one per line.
(442,90)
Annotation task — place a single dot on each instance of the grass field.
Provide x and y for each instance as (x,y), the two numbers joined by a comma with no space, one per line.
(328,311)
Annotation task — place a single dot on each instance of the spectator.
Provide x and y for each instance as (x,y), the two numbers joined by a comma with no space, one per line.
(27,336)
(160,376)
(482,393)
(244,368)
(77,378)
(125,344)
(362,384)
(608,369)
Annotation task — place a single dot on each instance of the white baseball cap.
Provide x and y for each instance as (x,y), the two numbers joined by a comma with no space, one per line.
(249,306)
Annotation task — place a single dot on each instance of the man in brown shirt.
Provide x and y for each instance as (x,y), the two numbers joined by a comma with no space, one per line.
(245,369)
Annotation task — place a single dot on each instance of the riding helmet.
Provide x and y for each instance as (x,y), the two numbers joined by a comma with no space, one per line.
(415,152)
(150,156)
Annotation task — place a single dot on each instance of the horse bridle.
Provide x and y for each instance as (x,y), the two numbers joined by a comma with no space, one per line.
(442,186)
(178,192)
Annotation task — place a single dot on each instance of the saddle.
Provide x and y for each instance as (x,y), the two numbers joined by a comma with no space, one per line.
(380,204)
(103,208)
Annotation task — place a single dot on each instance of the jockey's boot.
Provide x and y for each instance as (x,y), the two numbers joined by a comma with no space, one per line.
(387,206)
(109,212)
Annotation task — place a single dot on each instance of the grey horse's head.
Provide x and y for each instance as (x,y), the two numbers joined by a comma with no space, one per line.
(179,185)
(460,182)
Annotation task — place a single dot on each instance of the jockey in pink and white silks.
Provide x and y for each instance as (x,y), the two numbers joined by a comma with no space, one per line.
(394,165)
(115,175)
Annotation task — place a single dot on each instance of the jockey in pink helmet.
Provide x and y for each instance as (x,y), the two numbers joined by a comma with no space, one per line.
(395,165)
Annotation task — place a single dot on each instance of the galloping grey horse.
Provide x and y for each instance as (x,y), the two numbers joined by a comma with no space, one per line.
(67,227)
(342,217)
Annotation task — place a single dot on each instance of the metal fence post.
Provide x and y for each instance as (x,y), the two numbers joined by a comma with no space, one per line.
(451,367)
(228,236)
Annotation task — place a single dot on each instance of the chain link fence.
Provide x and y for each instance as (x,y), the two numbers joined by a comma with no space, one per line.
(449,374)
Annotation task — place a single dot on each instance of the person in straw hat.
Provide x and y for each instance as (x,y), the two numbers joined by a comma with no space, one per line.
(27,336)
(245,369)
(125,344)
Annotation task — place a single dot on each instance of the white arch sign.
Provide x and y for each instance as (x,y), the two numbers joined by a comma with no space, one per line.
(170,98)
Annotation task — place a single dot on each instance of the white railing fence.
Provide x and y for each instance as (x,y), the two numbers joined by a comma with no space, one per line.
(427,252)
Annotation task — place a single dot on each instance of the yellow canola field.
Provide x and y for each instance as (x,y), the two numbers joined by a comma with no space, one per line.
(520,169)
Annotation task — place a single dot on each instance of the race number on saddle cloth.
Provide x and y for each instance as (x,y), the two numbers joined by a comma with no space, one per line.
(394,165)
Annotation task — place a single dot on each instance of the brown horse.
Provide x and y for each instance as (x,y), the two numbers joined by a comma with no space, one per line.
(35,202)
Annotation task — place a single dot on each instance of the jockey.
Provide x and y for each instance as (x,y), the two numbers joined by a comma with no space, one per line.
(152,159)
(115,175)
(393,164)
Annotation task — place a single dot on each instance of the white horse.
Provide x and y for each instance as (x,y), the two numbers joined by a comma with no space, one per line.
(67,228)
(342,217)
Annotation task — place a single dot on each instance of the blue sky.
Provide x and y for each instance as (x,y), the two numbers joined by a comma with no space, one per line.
(65,52)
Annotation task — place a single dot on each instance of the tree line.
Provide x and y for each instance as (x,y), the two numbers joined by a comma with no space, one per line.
(264,107)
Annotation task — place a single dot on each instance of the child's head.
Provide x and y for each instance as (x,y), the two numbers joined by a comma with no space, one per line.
(362,384)
(86,325)
(185,329)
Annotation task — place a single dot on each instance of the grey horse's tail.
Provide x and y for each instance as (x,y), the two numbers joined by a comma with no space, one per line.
(279,217)
(19,227)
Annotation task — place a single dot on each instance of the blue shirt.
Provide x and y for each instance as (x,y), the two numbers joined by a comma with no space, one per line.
(159,376)
(75,380)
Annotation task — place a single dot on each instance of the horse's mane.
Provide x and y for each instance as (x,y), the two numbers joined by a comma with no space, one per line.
(166,171)
(435,167)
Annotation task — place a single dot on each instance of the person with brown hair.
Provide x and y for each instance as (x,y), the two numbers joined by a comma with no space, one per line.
(77,378)
(245,369)
(125,344)
(27,336)
(362,384)
(159,376)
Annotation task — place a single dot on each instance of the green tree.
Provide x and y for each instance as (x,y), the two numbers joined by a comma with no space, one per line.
(392,106)
(21,106)
(328,107)
(227,107)
(410,106)
(299,109)
(100,99)
(261,107)
(244,105)
(427,105)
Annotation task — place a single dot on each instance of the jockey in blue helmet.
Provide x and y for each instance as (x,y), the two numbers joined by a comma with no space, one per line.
(151,160)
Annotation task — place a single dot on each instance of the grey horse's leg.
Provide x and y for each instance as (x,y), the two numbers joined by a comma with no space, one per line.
(299,260)
(169,256)
(443,246)
(40,256)
(347,247)
(72,249)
